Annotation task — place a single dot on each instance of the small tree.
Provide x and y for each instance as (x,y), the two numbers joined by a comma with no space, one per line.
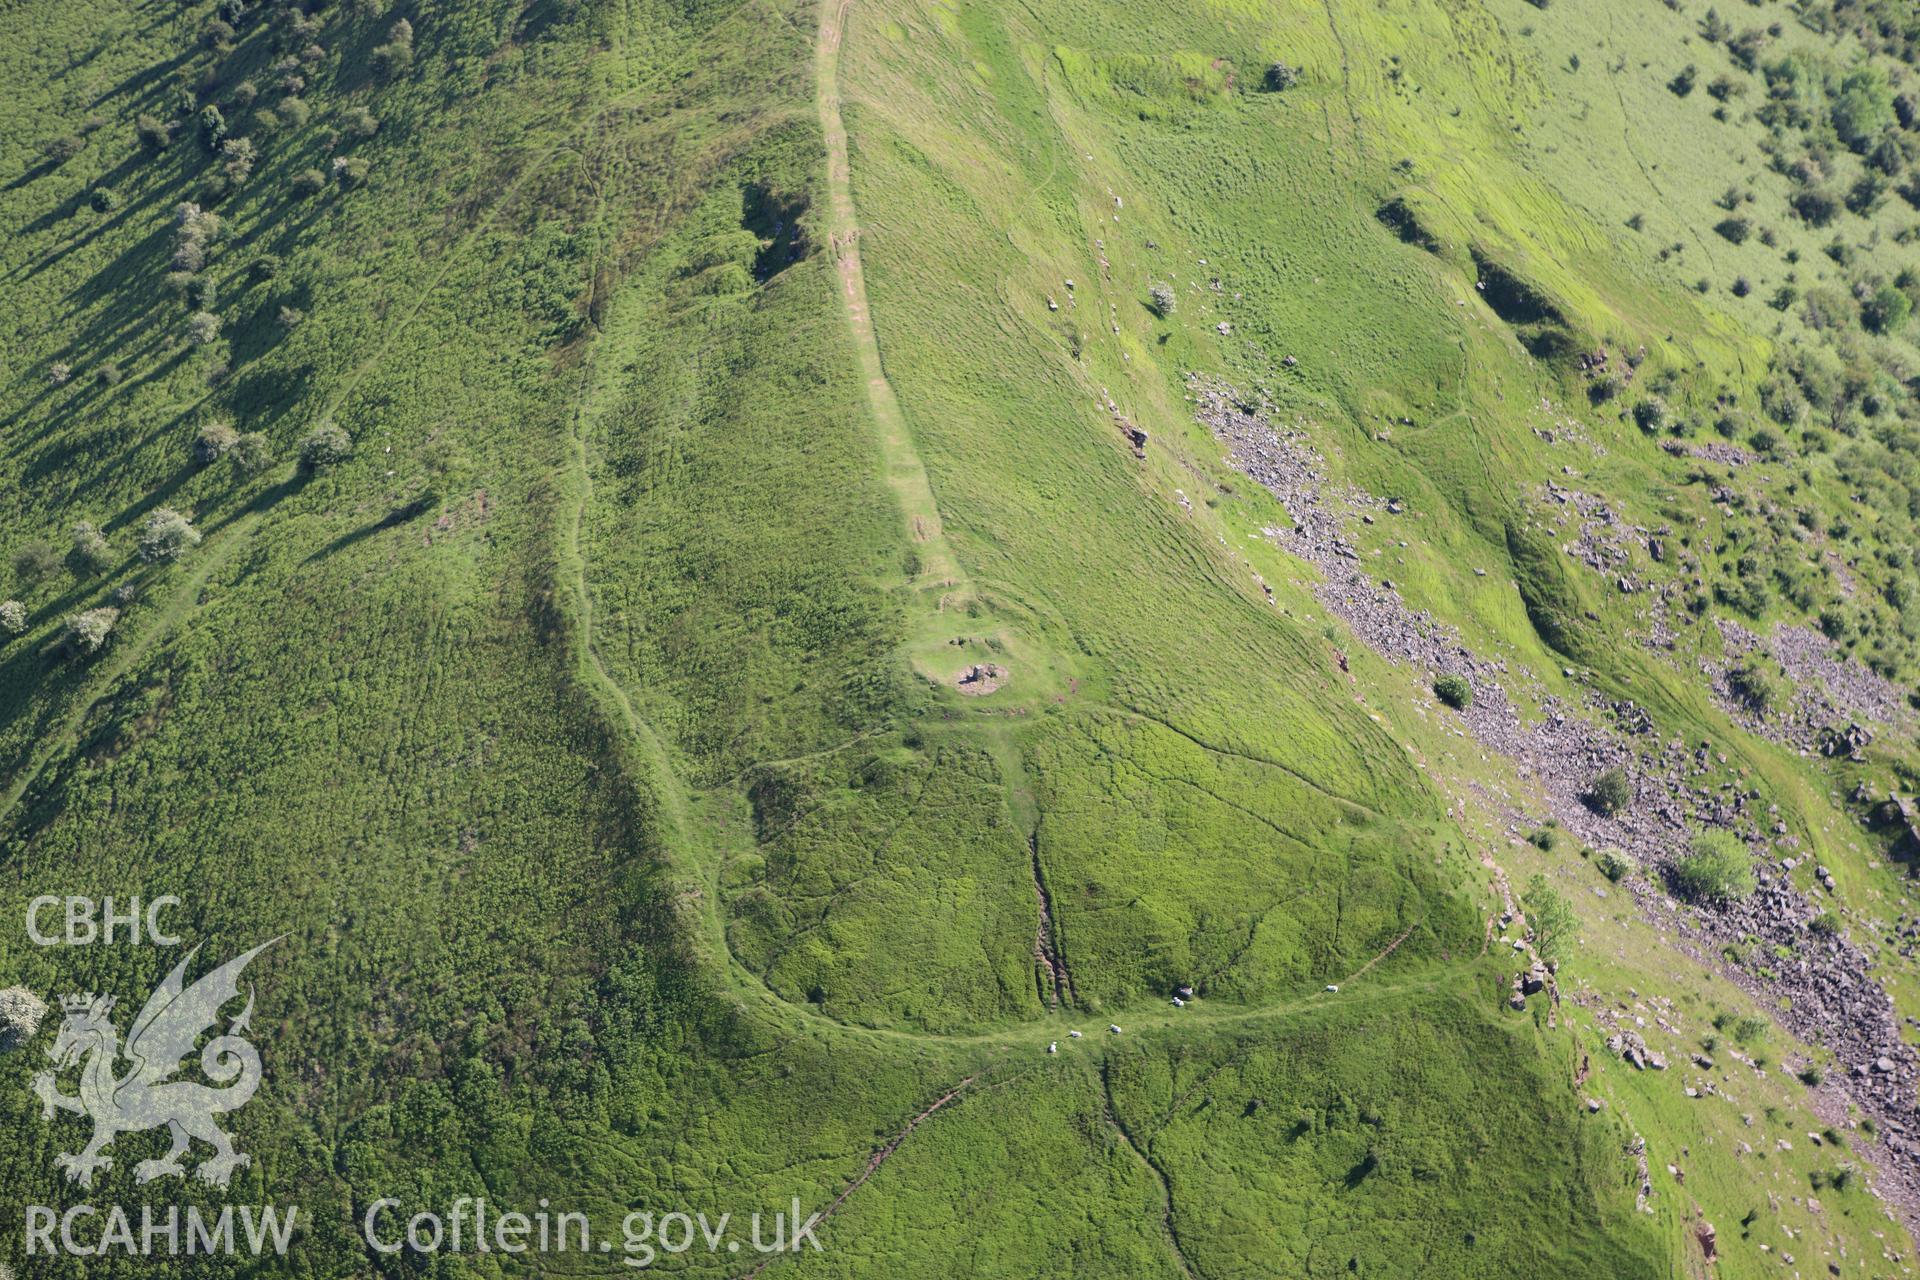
(309,182)
(203,328)
(237,156)
(251,454)
(360,122)
(294,112)
(1886,310)
(1717,867)
(91,552)
(350,171)
(1550,917)
(1281,77)
(1162,299)
(167,535)
(213,128)
(59,373)
(13,617)
(1614,865)
(1610,793)
(103,199)
(1650,414)
(1454,690)
(86,632)
(35,561)
(325,446)
(395,57)
(215,441)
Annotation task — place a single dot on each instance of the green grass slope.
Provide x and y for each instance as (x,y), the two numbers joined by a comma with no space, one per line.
(739,693)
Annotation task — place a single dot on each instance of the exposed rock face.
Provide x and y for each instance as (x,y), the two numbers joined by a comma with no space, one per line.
(981,679)
(20,1015)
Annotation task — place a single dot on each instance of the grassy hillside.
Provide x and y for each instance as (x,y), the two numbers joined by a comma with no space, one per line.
(707,603)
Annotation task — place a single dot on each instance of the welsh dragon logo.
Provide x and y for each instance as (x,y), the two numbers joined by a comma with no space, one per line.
(148,1096)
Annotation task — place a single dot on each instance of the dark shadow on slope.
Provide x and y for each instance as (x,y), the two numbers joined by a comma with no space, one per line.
(1398,217)
(775,218)
(1539,323)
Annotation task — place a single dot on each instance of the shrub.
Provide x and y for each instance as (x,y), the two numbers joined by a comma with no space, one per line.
(1650,414)
(1816,206)
(1867,194)
(35,561)
(213,128)
(1812,1075)
(104,199)
(1610,793)
(13,617)
(1758,688)
(167,535)
(1682,84)
(350,172)
(152,133)
(1734,230)
(91,553)
(264,267)
(1454,690)
(1717,867)
(1281,77)
(63,148)
(86,632)
(325,446)
(203,328)
(215,441)
(1614,865)
(1826,924)
(251,454)
(309,182)
(1886,310)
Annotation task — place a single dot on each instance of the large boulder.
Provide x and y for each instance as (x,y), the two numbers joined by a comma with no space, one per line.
(20,1015)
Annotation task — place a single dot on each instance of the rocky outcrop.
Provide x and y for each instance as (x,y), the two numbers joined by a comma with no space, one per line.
(20,1015)
(1830,995)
